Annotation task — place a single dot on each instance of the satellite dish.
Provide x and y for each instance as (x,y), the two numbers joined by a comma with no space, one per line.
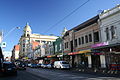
(99,11)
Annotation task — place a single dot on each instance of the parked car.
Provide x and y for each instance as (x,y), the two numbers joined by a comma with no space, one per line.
(61,65)
(33,65)
(9,68)
(44,65)
(49,66)
(38,65)
(21,66)
(29,64)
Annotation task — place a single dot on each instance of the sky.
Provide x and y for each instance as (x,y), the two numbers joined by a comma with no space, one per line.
(43,14)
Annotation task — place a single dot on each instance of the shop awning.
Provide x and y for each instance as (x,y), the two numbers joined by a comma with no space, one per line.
(59,54)
(73,53)
(51,56)
(84,51)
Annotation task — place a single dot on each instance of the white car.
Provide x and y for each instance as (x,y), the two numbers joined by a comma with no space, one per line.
(29,65)
(61,64)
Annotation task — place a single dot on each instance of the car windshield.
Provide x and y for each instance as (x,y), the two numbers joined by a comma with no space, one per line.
(64,62)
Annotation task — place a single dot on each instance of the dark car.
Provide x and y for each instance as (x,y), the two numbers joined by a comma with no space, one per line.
(33,66)
(21,66)
(9,68)
(38,65)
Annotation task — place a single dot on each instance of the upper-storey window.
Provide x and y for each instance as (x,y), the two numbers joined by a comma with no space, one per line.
(86,38)
(90,37)
(75,42)
(82,40)
(79,39)
(107,34)
(96,36)
(113,32)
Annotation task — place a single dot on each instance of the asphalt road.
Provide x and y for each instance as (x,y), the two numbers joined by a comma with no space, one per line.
(53,74)
(22,75)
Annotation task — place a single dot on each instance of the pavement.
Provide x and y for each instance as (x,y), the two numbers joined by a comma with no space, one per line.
(98,72)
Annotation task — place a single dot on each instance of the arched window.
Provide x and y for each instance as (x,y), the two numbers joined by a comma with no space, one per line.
(107,34)
(112,32)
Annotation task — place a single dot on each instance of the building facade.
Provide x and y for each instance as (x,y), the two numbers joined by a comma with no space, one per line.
(110,36)
(77,43)
(28,39)
(15,53)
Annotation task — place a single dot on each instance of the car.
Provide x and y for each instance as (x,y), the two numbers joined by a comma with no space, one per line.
(33,65)
(44,65)
(29,64)
(38,65)
(9,68)
(21,66)
(61,65)
(49,66)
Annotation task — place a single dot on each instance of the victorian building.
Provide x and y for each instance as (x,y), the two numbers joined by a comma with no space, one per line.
(29,41)
(110,37)
(77,43)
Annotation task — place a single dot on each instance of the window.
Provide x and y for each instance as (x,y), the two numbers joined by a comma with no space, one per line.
(67,44)
(79,41)
(60,46)
(96,36)
(75,42)
(23,50)
(37,40)
(43,41)
(23,45)
(107,34)
(86,38)
(28,35)
(55,48)
(82,40)
(112,32)
(90,38)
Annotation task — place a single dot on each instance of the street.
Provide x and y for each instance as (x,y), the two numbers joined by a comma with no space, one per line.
(53,74)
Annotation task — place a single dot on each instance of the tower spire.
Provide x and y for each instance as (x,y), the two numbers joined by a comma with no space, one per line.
(27,24)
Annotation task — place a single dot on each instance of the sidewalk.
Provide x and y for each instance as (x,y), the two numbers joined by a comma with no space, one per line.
(103,72)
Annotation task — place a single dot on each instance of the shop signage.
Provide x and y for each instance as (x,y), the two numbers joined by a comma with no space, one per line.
(99,44)
(98,53)
(73,53)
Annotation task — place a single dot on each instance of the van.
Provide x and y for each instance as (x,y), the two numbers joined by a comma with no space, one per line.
(61,65)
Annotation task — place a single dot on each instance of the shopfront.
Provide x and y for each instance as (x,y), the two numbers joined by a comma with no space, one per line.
(109,56)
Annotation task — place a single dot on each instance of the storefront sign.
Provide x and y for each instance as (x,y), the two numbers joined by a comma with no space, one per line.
(98,53)
(99,44)
(73,53)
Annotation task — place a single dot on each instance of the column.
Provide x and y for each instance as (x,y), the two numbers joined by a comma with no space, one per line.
(89,61)
(102,60)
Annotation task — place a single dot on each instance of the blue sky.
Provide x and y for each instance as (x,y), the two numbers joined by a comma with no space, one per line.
(42,14)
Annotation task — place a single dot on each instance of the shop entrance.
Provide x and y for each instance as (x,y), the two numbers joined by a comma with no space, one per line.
(95,61)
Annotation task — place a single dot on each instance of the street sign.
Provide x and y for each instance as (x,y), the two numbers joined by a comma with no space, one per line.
(3,44)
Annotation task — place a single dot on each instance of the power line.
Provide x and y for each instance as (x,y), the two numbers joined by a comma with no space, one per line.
(66,16)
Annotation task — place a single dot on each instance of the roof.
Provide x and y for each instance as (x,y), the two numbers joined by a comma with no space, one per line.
(84,24)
